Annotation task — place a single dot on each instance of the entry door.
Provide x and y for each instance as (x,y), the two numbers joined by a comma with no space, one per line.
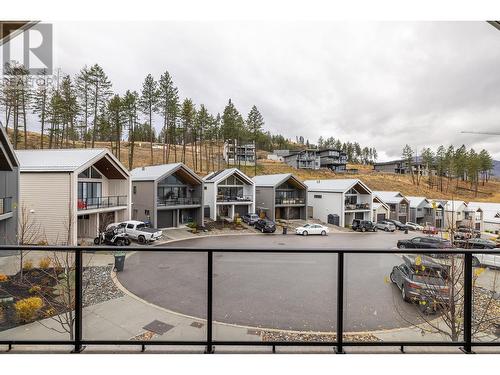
(380,217)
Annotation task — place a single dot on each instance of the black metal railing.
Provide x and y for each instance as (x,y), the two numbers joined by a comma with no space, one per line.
(5,205)
(338,344)
(291,200)
(93,203)
(234,198)
(178,201)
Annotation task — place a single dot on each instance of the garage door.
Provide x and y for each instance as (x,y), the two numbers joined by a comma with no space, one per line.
(166,219)
(380,217)
(242,210)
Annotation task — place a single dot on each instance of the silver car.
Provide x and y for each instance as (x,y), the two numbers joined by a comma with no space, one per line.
(386,226)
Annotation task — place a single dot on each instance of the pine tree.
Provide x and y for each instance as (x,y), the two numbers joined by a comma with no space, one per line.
(41,102)
(100,93)
(130,103)
(188,113)
(168,103)
(148,103)
(255,123)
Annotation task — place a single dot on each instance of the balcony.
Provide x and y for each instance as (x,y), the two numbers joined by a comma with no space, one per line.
(5,205)
(95,203)
(289,201)
(234,198)
(191,201)
(357,206)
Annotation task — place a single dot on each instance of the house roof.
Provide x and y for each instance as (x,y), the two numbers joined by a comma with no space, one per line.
(451,205)
(390,196)
(377,205)
(417,201)
(491,211)
(217,176)
(335,185)
(273,180)
(69,160)
(157,172)
(8,159)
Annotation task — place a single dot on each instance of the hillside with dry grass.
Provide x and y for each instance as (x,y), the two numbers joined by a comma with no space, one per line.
(490,192)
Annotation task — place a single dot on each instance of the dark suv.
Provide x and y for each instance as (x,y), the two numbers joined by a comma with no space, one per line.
(399,225)
(422,280)
(265,226)
(363,225)
(424,243)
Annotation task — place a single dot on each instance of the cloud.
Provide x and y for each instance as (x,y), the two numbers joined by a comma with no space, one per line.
(383,84)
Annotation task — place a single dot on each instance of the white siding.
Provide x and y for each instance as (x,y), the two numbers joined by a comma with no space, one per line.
(329,203)
(47,199)
(209,199)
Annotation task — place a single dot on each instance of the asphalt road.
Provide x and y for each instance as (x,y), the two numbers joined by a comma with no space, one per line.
(285,291)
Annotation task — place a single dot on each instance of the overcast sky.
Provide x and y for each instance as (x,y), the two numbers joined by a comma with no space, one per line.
(382,84)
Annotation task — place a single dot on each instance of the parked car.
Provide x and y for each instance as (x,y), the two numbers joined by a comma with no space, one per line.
(385,226)
(464,233)
(429,229)
(265,226)
(414,226)
(363,225)
(490,260)
(308,229)
(421,279)
(476,243)
(138,230)
(424,243)
(399,225)
(250,219)
(112,236)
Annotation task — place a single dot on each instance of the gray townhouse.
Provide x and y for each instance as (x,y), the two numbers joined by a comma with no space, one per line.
(304,159)
(401,166)
(426,211)
(9,191)
(333,159)
(235,153)
(399,205)
(280,196)
(167,195)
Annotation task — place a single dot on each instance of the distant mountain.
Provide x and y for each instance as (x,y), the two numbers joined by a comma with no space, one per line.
(496,168)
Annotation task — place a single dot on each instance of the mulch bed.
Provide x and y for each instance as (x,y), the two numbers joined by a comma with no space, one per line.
(314,337)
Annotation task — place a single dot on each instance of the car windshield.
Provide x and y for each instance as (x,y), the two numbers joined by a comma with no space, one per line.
(142,225)
(397,222)
(306,225)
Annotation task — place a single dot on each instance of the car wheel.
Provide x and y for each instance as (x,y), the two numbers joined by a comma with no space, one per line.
(391,277)
(127,241)
(141,239)
(304,233)
(403,294)
(323,233)
(401,246)
(97,241)
(475,262)
(386,229)
(120,242)
(363,229)
(262,230)
(375,229)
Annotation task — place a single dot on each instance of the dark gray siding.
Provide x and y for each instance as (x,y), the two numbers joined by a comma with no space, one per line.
(9,189)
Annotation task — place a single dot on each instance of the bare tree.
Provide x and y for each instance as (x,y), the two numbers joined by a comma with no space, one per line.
(29,233)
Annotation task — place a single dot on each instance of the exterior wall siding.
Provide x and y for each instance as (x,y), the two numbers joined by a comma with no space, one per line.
(9,188)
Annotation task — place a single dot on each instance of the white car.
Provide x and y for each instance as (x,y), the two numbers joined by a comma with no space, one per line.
(414,226)
(312,229)
(138,230)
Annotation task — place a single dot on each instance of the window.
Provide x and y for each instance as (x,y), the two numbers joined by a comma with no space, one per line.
(88,190)
(135,189)
(146,212)
(318,196)
(130,226)
(90,173)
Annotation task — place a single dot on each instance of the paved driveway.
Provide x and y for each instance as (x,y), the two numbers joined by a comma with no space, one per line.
(285,291)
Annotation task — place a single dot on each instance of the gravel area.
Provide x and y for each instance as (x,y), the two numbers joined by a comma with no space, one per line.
(98,286)
(487,311)
(317,337)
(145,336)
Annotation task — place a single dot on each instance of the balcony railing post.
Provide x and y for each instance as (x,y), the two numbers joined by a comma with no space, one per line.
(340,303)
(209,349)
(468,303)
(78,302)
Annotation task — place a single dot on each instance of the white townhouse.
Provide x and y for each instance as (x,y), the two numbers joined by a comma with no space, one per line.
(68,195)
(454,211)
(491,214)
(228,192)
(399,205)
(339,201)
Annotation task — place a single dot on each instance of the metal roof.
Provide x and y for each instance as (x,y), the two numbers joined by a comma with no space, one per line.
(154,172)
(334,185)
(390,196)
(57,160)
(215,177)
(271,179)
(416,201)
(491,211)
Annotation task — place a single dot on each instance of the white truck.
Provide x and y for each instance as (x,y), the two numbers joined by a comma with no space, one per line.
(138,230)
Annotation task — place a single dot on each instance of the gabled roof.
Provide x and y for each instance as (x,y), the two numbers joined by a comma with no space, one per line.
(274,180)
(158,172)
(451,205)
(417,201)
(392,197)
(491,211)
(67,160)
(377,203)
(8,159)
(335,185)
(218,176)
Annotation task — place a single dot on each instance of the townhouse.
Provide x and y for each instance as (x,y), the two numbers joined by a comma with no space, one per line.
(381,210)
(424,211)
(167,195)
(69,195)
(235,153)
(9,191)
(333,159)
(339,201)
(399,205)
(491,215)
(280,196)
(453,212)
(304,159)
(227,193)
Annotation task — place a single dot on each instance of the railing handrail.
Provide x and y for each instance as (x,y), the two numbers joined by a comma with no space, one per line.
(91,203)
(183,200)
(467,343)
